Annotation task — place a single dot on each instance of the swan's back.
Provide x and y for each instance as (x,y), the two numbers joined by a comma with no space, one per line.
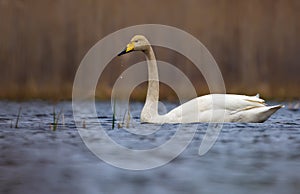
(222,108)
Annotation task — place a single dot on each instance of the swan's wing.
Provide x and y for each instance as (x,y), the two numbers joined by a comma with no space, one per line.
(235,103)
(230,103)
(243,109)
(235,108)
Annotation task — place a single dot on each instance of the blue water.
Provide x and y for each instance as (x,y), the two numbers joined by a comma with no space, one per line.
(247,158)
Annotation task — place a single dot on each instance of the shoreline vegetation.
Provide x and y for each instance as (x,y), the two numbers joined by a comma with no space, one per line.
(255,43)
(139,93)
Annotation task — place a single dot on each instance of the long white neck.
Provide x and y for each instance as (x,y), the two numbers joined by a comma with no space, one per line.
(151,105)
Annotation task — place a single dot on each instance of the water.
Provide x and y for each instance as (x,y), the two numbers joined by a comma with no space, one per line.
(247,158)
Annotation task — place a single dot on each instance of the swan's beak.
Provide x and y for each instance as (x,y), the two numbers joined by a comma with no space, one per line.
(128,49)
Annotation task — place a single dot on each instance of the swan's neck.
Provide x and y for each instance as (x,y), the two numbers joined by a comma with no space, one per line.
(151,105)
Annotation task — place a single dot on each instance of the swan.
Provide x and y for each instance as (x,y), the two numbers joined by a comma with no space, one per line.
(207,108)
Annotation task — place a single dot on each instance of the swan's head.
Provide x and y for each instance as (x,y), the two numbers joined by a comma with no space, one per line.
(137,43)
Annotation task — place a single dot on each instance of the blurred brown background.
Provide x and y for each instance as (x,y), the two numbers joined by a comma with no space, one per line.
(256,43)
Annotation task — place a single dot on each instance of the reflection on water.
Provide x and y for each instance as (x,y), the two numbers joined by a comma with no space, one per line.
(247,158)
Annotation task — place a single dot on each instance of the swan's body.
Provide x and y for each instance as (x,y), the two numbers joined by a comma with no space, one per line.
(208,108)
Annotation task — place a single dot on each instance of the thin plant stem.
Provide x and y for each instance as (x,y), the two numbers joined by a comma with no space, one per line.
(56,119)
(114,115)
(128,117)
(18,117)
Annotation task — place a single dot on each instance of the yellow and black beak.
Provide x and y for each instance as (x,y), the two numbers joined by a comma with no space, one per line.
(128,49)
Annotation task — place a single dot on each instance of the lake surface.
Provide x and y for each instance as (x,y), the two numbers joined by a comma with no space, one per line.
(247,158)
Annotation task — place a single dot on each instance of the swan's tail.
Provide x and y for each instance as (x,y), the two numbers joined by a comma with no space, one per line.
(269,111)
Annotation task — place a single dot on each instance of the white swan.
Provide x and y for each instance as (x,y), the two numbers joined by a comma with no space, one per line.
(208,108)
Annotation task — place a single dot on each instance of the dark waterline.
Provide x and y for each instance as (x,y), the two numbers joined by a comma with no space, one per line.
(247,158)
